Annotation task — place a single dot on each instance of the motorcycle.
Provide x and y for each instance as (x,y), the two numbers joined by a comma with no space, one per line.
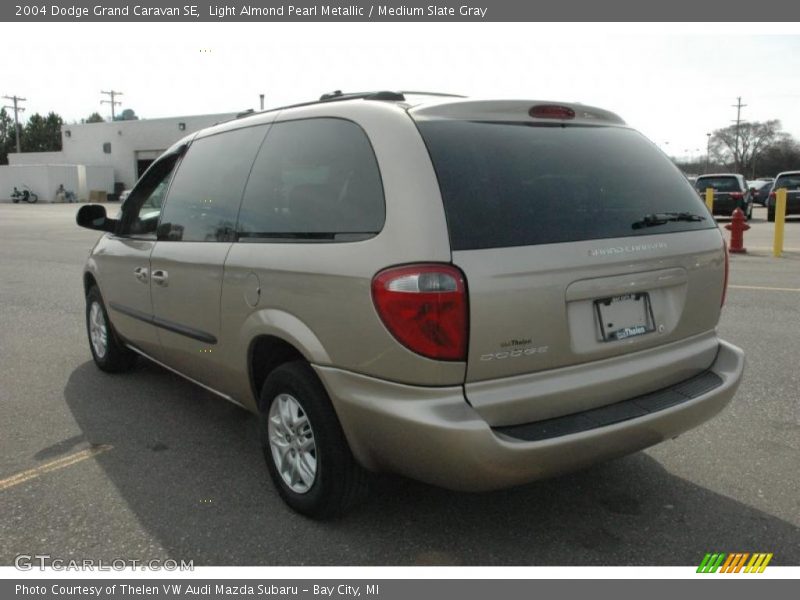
(26,195)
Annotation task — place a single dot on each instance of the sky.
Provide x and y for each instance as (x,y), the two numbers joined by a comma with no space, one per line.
(673,82)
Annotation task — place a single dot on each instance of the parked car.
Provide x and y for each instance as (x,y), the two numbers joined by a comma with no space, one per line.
(790,180)
(475,294)
(730,192)
(759,190)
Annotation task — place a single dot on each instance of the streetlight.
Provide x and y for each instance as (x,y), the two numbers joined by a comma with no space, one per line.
(708,149)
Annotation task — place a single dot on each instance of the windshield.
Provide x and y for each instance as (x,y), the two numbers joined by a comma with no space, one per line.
(516,184)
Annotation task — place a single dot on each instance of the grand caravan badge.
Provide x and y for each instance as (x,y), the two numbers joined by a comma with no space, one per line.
(614,250)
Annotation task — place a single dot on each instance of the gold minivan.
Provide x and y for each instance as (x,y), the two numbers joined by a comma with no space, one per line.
(472,293)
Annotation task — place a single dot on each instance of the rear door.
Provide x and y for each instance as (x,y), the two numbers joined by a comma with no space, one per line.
(195,234)
(579,243)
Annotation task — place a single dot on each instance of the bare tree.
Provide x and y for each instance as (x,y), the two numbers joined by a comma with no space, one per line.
(743,151)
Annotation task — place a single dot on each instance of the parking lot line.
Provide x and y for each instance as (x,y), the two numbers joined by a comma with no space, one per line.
(761,287)
(53,465)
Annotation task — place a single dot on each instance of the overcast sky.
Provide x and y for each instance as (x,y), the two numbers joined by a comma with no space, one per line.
(672,82)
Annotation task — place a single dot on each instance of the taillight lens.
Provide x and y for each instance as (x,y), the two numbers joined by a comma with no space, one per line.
(425,308)
(737,195)
(725,281)
(772,194)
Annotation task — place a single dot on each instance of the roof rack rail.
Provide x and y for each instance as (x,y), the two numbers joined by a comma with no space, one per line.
(384,95)
(338,95)
(442,94)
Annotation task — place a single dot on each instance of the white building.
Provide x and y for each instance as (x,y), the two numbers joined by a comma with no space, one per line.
(105,157)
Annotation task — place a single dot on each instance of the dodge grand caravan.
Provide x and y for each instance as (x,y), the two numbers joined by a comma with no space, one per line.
(475,294)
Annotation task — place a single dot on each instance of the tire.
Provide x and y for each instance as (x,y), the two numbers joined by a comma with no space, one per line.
(770,214)
(317,475)
(749,214)
(15,199)
(33,198)
(109,354)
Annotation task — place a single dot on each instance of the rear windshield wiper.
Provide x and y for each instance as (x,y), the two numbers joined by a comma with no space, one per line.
(654,219)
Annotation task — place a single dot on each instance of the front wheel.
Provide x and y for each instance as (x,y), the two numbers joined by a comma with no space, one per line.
(108,352)
(306,452)
(33,198)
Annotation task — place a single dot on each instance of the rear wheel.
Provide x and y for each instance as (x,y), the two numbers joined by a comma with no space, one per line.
(306,452)
(108,352)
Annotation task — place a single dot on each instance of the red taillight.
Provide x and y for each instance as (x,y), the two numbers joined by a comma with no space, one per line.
(425,308)
(737,195)
(725,281)
(551,111)
(772,194)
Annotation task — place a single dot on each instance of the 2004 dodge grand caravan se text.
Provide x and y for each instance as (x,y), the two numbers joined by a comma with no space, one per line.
(475,294)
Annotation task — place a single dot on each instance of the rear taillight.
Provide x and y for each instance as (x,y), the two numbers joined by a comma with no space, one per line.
(772,194)
(551,111)
(737,195)
(725,281)
(425,308)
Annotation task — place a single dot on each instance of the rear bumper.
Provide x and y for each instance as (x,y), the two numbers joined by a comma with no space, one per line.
(433,435)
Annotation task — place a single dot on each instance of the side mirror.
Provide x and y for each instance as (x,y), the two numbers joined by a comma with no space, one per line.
(93,216)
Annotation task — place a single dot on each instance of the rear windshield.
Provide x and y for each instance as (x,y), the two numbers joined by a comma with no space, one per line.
(517,184)
(719,184)
(790,182)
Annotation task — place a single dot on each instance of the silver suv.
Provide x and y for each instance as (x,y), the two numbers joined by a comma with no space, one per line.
(475,294)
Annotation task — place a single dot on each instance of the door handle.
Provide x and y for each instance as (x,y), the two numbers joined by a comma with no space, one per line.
(141,274)
(160,277)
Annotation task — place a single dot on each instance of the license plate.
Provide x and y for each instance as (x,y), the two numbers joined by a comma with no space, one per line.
(623,317)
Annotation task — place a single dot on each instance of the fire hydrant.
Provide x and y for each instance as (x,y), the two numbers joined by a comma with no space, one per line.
(737,227)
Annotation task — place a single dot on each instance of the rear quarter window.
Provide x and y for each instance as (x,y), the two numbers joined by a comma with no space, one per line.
(313,179)
(515,184)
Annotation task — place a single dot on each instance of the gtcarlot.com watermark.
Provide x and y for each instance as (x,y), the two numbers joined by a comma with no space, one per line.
(29,562)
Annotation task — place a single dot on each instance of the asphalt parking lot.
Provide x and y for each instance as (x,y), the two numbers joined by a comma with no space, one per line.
(146,465)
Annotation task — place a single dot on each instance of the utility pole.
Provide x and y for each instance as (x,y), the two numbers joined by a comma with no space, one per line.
(17,109)
(112,102)
(738,106)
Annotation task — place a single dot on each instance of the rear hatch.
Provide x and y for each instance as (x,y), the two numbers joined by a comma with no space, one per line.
(582,246)
(728,194)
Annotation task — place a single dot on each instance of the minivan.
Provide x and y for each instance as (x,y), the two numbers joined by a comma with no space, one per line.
(471,293)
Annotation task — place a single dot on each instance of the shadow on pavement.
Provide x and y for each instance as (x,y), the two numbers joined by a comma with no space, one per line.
(189,467)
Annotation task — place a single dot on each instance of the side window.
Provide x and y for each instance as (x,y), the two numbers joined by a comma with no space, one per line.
(207,188)
(313,179)
(142,209)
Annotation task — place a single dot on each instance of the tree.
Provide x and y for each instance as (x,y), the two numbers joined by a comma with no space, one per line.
(95,118)
(784,155)
(42,134)
(127,115)
(741,150)
(7,136)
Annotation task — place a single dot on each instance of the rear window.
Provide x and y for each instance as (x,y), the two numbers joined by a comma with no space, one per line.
(719,184)
(790,182)
(518,184)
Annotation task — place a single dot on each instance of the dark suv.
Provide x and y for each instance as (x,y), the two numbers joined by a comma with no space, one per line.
(790,180)
(730,192)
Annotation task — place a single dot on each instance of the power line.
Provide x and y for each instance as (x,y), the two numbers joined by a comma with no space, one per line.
(112,102)
(17,109)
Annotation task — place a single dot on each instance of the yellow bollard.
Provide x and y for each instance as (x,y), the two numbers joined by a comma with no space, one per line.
(780,220)
(710,200)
